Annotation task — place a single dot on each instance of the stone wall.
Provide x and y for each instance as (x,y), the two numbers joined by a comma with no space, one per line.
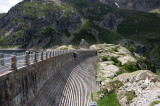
(19,88)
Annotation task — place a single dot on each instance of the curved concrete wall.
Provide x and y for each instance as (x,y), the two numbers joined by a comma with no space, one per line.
(21,87)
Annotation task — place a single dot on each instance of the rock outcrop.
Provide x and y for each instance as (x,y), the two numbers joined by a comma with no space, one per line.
(138,87)
(37,23)
(143,83)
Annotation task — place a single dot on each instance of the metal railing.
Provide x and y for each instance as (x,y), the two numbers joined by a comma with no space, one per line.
(17,61)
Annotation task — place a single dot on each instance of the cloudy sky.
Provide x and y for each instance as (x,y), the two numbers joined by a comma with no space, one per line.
(5,5)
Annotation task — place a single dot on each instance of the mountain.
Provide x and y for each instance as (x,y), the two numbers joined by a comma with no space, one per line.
(140,5)
(2,14)
(46,23)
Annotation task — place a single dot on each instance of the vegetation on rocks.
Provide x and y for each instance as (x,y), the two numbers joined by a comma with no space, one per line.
(110,100)
(131,49)
(130,95)
(130,67)
(116,61)
(124,76)
(154,103)
(104,59)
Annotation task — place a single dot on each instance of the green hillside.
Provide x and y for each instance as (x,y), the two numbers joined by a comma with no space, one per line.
(46,23)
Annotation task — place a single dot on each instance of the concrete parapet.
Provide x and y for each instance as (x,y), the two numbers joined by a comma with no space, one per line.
(13,62)
(26,59)
(35,57)
(20,87)
(41,56)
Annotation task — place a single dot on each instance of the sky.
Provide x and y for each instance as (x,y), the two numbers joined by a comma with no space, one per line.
(5,5)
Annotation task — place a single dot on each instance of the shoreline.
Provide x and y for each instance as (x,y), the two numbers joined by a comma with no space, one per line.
(11,49)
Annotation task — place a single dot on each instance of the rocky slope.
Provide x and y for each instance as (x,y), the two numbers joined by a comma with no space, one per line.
(2,14)
(44,23)
(37,23)
(120,72)
(140,5)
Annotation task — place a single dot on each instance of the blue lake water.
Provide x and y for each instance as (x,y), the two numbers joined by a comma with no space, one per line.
(8,53)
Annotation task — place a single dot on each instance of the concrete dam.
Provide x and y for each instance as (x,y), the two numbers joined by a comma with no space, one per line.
(59,78)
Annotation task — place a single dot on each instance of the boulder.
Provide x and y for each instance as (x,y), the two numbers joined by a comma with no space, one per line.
(126,59)
(156,79)
(147,75)
(111,68)
(136,76)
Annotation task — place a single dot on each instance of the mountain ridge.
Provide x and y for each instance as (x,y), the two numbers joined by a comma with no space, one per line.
(46,23)
(140,5)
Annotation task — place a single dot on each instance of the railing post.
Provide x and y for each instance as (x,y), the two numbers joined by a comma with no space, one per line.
(49,54)
(53,53)
(46,55)
(13,62)
(35,57)
(2,60)
(41,56)
(62,51)
(26,59)
(58,53)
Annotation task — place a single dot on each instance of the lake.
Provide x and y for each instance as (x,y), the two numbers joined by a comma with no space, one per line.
(8,53)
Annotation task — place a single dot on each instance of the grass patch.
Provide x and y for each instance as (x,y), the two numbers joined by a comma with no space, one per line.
(115,49)
(115,85)
(121,71)
(146,64)
(98,67)
(104,59)
(154,103)
(75,47)
(110,100)
(122,54)
(130,95)
(130,67)
(116,61)
(158,72)
(92,97)
(110,77)
(131,49)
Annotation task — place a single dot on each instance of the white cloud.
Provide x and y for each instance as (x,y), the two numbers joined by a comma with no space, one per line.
(5,5)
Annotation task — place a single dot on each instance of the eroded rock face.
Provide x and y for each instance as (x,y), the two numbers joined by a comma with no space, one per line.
(37,23)
(136,76)
(142,5)
(110,21)
(140,48)
(145,84)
